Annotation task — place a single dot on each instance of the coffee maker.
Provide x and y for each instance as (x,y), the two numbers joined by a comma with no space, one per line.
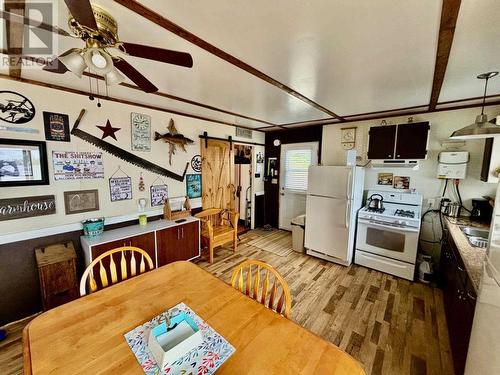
(481,210)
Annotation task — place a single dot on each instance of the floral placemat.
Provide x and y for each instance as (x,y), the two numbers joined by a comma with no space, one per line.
(204,360)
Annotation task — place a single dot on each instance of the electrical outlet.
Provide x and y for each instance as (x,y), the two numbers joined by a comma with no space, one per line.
(433,203)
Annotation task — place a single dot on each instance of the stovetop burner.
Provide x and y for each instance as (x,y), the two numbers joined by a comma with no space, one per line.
(376,210)
(404,213)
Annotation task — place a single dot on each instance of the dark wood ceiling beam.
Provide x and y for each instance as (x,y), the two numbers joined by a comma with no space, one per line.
(159,93)
(14,32)
(190,37)
(121,101)
(449,16)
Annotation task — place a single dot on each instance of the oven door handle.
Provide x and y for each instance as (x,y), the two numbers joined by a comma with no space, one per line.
(377,224)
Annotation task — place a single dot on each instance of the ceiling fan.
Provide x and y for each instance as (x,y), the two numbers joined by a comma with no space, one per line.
(99,30)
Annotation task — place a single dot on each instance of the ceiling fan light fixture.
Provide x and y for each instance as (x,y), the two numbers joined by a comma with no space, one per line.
(98,60)
(481,128)
(114,77)
(74,62)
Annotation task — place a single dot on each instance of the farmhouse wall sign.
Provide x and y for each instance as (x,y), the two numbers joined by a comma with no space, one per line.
(18,208)
(122,154)
(15,108)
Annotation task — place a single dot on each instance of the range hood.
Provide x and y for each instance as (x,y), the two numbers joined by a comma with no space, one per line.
(481,128)
(395,163)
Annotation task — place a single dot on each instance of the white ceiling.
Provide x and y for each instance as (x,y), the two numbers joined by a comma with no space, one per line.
(351,57)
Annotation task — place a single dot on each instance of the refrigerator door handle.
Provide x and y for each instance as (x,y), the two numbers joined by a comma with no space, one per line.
(349,184)
(347,213)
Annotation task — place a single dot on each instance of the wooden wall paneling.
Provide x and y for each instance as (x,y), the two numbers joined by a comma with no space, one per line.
(217,176)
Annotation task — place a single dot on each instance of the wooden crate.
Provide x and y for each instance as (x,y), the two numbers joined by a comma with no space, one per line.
(57,273)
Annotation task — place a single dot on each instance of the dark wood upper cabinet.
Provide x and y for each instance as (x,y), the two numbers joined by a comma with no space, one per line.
(412,140)
(404,141)
(381,144)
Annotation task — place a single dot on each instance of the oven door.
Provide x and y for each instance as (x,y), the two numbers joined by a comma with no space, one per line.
(392,242)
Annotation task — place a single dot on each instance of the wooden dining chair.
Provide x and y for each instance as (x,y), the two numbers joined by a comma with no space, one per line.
(126,267)
(263,292)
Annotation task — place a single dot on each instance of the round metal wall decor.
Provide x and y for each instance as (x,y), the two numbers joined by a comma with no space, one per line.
(196,163)
(15,108)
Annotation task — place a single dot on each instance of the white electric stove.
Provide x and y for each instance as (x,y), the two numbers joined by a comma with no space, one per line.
(387,239)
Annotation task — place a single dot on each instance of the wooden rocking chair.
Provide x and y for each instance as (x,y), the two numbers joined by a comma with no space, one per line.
(219,227)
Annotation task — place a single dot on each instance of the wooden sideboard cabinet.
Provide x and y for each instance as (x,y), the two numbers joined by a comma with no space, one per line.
(178,243)
(165,241)
(145,242)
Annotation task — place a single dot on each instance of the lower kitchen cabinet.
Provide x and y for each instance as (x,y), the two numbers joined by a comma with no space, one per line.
(145,242)
(177,243)
(459,302)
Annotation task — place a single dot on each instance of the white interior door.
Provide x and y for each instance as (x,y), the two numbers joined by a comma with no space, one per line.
(295,160)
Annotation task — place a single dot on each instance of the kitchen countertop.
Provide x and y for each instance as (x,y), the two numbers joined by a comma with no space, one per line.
(472,257)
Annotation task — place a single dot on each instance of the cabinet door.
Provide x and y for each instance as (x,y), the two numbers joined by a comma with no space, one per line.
(178,243)
(381,143)
(191,240)
(145,242)
(412,140)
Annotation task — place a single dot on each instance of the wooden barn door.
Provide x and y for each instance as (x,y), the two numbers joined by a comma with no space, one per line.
(217,174)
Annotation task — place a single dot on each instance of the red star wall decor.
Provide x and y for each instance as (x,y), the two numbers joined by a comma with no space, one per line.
(108,130)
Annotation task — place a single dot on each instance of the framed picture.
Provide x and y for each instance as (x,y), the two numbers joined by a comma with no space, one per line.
(56,126)
(158,194)
(401,182)
(385,179)
(272,167)
(120,188)
(79,201)
(193,185)
(23,163)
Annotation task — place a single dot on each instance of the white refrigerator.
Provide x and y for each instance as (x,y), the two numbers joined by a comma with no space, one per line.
(334,195)
(483,356)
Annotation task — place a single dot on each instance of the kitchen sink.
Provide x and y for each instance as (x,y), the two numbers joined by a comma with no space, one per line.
(477,237)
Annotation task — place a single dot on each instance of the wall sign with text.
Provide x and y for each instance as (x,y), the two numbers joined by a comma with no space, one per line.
(18,208)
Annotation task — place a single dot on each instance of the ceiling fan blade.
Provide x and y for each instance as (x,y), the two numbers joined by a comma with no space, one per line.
(12,17)
(158,54)
(82,11)
(56,66)
(134,75)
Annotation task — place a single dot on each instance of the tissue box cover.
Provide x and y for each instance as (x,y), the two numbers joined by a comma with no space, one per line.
(204,359)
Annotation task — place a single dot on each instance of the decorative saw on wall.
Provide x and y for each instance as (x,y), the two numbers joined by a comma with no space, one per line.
(173,138)
(122,154)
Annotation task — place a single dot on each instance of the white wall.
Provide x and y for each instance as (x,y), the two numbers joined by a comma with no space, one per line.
(424,180)
(119,115)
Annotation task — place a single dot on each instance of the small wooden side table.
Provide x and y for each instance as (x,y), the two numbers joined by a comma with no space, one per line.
(57,273)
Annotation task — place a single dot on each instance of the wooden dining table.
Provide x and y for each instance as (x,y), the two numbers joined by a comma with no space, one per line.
(85,336)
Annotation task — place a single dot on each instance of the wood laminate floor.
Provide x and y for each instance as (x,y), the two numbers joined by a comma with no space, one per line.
(392,326)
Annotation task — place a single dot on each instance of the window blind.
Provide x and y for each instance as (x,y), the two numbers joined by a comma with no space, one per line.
(297,162)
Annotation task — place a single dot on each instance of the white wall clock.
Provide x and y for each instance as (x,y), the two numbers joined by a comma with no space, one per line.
(141,132)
